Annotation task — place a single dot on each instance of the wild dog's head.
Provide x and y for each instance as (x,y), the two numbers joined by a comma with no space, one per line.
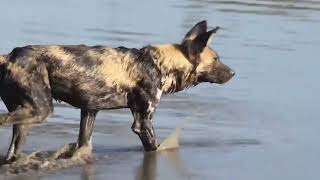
(206,61)
(190,62)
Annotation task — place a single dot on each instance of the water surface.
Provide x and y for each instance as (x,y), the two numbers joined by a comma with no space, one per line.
(261,125)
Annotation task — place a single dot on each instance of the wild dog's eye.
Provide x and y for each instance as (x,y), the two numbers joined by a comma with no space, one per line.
(216,58)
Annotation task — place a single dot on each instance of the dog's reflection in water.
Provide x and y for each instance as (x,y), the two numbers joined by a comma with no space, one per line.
(89,172)
(152,164)
(167,155)
(154,161)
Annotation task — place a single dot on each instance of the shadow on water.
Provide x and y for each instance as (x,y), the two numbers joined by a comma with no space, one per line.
(102,150)
(220,143)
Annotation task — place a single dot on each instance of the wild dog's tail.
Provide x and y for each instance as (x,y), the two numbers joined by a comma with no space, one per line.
(3,59)
(3,62)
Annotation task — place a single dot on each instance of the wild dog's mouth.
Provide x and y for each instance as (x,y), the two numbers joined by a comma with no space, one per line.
(221,78)
(223,81)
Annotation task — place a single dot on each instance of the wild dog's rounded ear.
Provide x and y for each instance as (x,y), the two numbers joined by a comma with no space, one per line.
(196,46)
(199,28)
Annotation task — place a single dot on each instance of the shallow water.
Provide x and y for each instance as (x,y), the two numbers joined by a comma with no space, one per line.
(261,125)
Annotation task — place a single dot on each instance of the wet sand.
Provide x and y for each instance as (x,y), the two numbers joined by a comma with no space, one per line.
(261,125)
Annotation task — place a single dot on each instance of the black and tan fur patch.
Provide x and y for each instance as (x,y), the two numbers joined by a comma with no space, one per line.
(97,78)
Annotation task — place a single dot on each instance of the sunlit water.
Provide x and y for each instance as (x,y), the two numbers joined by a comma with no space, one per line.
(264,124)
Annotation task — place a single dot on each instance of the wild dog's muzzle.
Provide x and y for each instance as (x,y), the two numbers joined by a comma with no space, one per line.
(220,75)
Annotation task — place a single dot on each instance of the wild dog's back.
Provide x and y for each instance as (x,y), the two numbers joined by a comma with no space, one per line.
(90,76)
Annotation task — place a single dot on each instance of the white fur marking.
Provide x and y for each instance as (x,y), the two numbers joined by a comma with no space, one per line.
(150,107)
(159,93)
(90,142)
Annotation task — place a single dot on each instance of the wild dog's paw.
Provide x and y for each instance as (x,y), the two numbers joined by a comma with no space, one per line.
(5,160)
(84,153)
(3,119)
(72,152)
(65,152)
(13,158)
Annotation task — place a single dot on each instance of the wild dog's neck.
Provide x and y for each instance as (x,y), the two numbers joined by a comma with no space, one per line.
(176,70)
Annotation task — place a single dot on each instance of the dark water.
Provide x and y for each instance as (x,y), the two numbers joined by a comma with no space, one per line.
(264,124)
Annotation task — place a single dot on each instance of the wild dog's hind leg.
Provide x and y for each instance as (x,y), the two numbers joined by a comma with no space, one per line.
(30,111)
(19,131)
(33,103)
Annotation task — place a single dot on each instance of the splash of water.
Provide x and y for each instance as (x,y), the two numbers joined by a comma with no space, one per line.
(64,157)
(172,141)
(67,156)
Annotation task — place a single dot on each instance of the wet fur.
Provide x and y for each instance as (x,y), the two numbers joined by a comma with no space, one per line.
(95,78)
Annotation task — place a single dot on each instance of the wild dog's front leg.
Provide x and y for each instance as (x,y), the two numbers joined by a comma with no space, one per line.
(85,133)
(143,106)
(83,148)
(86,127)
(143,127)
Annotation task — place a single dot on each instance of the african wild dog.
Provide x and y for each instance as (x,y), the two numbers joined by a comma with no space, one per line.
(101,78)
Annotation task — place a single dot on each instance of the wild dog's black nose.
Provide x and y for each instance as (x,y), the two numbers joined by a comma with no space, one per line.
(232,73)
